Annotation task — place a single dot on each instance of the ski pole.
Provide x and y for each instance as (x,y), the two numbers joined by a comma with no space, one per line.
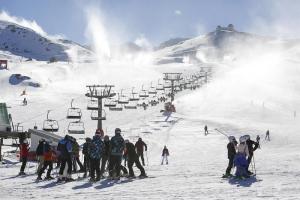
(221,132)
(147,158)
(254,165)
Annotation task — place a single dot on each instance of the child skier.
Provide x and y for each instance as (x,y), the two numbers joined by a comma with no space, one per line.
(165,154)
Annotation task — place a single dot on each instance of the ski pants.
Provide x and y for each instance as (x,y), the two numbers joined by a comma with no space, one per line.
(63,165)
(24,162)
(230,165)
(104,160)
(48,164)
(41,163)
(75,161)
(95,167)
(115,164)
(165,157)
(141,154)
(249,161)
(86,164)
(135,160)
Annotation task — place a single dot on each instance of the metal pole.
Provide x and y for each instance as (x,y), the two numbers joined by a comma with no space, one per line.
(221,132)
(99,113)
(172,92)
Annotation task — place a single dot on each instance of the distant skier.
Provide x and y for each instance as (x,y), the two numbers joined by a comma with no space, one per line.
(133,159)
(117,146)
(86,157)
(144,105)
(24,150)
(48,162)
(258,140)
(95,153)
(139,146)
(24,101)
(231,152)
(165,154)
(205,130)
(240,160)
(252,146)
(64,149)
(267,135)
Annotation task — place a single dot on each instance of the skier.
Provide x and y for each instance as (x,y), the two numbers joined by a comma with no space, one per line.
(240,160)
(117,146)
(165,154)
(24,101)
(40,154)
(258,140)
(95,154)
(105,155)
(86,158)
(139,146)
(24,149)
(48,162)
(133,159)
(267,135)
(64,149)
(252,146)
(75,156)
(144,105)
(205,130)
(231,147)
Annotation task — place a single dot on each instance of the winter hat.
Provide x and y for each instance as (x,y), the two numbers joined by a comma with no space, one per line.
(117,131)
(106,137)
(247,137)
(126,141)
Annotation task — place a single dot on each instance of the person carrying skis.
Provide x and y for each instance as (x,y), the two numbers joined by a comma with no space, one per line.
(240,160)
(117,146)
(86,158)
(40,154)
(64,149)
(133,159)
(231,152)
(252,146)
(205,130)
(139,146)
(24,150)
(165,154)
(48,162)
(95,154)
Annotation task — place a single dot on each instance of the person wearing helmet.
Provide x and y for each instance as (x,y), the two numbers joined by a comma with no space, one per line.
(231,152)
(139,146)
(105,155)
(86,158)
(240,160)
(24,150)
(133,159)
(64,149)
(95,154)
(252,146)
(117,146)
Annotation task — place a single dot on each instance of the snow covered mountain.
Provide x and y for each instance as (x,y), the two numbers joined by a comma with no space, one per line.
(27,43)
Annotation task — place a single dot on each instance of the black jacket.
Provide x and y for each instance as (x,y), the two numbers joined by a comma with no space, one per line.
(130,151)
(250,144)
(106,148)
(231,149)
(40,149)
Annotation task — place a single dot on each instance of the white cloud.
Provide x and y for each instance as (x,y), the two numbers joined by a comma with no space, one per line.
(143,42)
(177,12)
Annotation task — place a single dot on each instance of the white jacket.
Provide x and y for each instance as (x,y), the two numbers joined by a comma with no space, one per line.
(243,148)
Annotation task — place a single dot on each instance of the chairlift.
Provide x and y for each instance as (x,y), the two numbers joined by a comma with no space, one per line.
(122,99)
(94,115)
(50,124)
(76,127)
(110,103)
(74,113)
(134,96)
(117,108)
(131,105)
(167,85)
(92,104)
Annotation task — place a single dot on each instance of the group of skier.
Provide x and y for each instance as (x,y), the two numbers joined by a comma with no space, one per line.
(240,155)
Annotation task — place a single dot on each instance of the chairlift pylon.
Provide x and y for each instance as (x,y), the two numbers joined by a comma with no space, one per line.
(50,124)
(74,113)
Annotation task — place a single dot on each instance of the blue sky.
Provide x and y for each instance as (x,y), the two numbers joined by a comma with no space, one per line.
(158,20)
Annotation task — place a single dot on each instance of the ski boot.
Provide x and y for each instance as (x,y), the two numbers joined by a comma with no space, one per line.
(39,178)
(49,178)
(22,173)
(143,176)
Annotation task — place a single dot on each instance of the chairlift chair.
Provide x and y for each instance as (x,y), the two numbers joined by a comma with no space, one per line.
(122,99)
(110,103)
(50,124)
(117,108)
(144,93)
(94,115)
(76,127)
(74,113)
(92,104)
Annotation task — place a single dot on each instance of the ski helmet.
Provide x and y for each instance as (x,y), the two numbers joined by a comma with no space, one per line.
(242,139)
(231,138)
(247,137)
(118,130)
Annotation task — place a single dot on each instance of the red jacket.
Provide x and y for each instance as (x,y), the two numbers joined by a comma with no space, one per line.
(24,149)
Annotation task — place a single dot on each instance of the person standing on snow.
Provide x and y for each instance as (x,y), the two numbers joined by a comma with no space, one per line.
(105,155)
(240,160)
(205,130)
(252,146)
(267,135)
(40,154)
(231,152)
(117,146)
(75,156)
(133,159)
(48,162)
(139,146)
(165,154)
(24,150)
(64,149)
(86,158)
(258,140)
(95,153)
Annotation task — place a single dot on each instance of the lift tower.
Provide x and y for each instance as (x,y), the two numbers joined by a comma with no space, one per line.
(100,92)
(172,77)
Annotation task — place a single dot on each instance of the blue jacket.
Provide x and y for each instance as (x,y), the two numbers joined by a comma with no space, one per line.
(64,148)
(96,148)
(117,145)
